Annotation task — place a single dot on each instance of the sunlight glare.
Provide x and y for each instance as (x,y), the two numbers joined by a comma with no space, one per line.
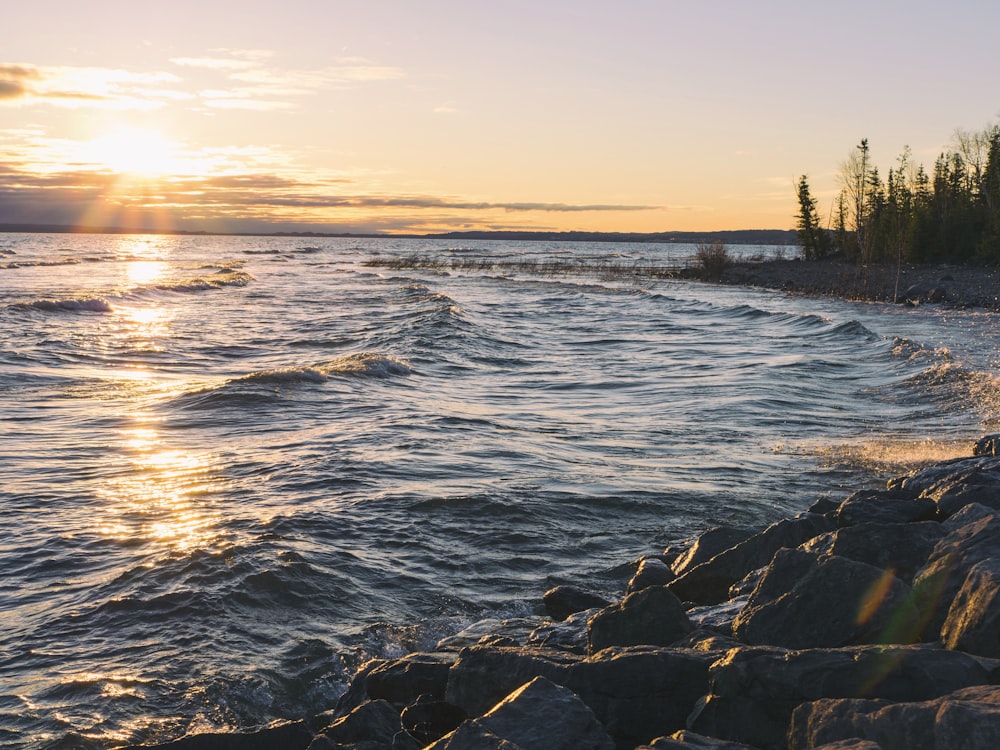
(134,151)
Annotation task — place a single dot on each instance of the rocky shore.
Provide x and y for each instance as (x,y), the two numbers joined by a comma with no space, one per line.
(869,623)
(954,286)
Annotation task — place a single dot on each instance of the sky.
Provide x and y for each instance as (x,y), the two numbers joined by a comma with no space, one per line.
(417,116)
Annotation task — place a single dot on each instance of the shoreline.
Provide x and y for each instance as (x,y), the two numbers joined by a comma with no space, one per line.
(866,623)
(950,286)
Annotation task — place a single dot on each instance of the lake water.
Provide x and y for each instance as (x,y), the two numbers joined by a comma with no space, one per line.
(233,468)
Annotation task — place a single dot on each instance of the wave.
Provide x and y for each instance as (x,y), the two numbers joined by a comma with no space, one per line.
(37,263)
(72,304)
(223,278)
(247,388)
(365,364)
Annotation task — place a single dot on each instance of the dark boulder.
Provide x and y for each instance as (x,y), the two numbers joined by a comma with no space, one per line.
(815,601)
(293,736)
(708,545)
(987,446)
(542,715)
(428,720)
(471,735)
(973,621)
(938,582)
(954,484)
(374,722)
(569,635)
(902,548)
(755,690)
(637,693)
(563,601)
(884,506)
(652,571)
(687,740)
(650,617)
(968,718)
(709,582)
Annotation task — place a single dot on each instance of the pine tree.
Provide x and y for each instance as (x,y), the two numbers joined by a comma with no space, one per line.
(815,243)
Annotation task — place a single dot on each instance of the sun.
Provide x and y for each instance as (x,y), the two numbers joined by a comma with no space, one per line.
(134,151)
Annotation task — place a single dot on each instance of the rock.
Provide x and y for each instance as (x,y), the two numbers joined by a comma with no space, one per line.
(293,736)
(514,630)
(374,721)
(541,715)
(755,690)
(472,735)
(969,514)
(807,600)
(718,617)
(708,545)
(563,601)
(852,744)
(954,484)
(650,617)
(685,739)
(428,720)
(652,572)
(569,635)
(973,621)
(824,506)
(709,582)
(968,718)
(399,681)
(884,506)
(902,548)
(987,446)
(923,293)
(637,693)
(938,582)
(402,681)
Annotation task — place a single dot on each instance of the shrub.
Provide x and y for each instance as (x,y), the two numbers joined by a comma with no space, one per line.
(712,259)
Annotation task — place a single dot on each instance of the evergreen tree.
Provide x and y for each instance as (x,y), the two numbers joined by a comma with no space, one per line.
(815,243)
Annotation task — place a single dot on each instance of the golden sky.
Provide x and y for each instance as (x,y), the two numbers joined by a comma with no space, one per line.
(439,115)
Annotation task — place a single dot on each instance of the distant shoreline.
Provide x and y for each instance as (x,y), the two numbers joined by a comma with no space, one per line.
(731,237)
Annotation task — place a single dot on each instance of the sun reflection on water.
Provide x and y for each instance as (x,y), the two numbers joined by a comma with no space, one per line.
(159,496)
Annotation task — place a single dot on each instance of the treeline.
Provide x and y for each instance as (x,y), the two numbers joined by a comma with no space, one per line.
(949,216)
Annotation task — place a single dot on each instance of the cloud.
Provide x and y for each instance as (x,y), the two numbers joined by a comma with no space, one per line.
(213,63)
(67,86)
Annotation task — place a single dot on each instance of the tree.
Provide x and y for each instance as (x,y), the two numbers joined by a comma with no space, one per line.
(854,180)
(814,240)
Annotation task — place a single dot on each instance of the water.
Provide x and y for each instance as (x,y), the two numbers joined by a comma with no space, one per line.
(231,469)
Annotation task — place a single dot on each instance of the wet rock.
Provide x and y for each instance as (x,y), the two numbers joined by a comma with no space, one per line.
(954,484)
(718,617)
(709,582)
(652,616)
(923,293)
(708,545)
(294,736)
(968,718)
(969,514)
(900,547)
(374,722)
(686,740)
(814,601)
(563,601)
(427,720)
(973,621)
(513,630)
(652,571)
(824,506)
(987,446)
(542,715)
(472,735)
(884,506)
(755,690)
(938,582)
(852,744)
(568,635)
(637,693)
(399,681)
